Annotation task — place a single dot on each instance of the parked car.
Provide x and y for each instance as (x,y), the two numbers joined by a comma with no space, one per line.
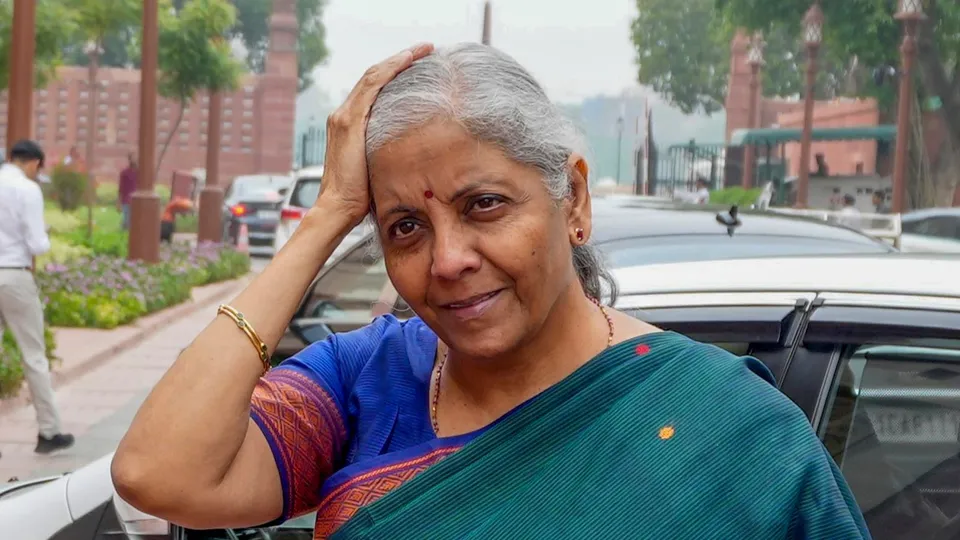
(931,230)
(254,201)
(353,289)
(867,346)
(301,196)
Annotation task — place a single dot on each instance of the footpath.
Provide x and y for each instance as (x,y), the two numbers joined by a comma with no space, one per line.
(101,381)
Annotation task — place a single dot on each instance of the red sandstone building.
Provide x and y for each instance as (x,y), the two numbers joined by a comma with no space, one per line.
(258,118)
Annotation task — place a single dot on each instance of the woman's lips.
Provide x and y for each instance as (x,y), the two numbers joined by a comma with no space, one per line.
(473,307)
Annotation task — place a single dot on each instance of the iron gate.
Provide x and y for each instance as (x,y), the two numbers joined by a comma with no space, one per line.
(678,167)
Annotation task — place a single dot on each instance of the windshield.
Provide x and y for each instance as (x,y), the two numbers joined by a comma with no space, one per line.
(248,185)
(689,248)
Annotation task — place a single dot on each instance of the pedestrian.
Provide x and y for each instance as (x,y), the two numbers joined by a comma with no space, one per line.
(178,205)
(836,200)
(516,404)
(127,185)
(880,203)
(23,236)
(849,214)
(702,195)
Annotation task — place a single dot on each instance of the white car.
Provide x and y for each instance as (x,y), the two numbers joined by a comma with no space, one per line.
(867,346)
(299,198)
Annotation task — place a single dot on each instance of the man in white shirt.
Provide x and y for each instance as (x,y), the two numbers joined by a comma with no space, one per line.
(23,236)
(849,214)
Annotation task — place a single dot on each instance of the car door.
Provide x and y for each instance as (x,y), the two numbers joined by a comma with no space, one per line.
(880,378)
(346,295)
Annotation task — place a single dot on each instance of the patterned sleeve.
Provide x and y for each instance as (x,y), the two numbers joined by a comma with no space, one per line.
(300,406)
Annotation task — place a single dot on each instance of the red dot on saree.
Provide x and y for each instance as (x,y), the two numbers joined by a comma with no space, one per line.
(642,349)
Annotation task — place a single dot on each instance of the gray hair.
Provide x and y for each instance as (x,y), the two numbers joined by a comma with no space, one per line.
(497,101)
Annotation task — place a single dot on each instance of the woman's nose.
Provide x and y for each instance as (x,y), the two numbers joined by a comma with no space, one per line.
(454,253)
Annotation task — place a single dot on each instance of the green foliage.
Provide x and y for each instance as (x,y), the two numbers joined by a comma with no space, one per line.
(252,28)
(193,55)
(187,223)
(11,364)
(69,185)
(54,29)
(107,194)
(683,53)
(866,30)
(106,291)
(97,19)
(735,195)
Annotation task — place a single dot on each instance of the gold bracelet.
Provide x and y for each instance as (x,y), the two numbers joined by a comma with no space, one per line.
(243,325)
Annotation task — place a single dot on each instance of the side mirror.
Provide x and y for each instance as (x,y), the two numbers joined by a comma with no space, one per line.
(283,191)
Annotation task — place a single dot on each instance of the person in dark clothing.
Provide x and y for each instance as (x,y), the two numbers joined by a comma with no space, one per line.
(128,184)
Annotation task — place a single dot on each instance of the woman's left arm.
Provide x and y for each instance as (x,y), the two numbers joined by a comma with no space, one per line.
(826,507)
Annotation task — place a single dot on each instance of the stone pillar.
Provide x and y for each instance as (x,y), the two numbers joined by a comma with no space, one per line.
(277,92)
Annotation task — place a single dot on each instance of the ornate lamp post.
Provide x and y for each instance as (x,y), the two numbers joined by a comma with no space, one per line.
(755,61)
(812,37)
(93,52)
(910,13)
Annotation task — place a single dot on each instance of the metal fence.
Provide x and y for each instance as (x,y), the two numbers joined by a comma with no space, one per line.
(678,167)
(311,148)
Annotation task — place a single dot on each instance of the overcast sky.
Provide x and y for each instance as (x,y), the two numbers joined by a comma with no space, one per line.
(575,48)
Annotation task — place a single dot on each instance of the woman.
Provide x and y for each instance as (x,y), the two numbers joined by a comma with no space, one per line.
(514,404)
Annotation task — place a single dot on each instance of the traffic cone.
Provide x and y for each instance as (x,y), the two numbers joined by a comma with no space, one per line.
(243,239)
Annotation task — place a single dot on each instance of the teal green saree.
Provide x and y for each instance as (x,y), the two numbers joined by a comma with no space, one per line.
(658,437)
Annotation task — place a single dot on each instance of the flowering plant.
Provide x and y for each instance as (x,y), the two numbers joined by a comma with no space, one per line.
(104,292)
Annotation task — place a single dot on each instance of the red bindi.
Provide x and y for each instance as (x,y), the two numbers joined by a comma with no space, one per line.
(428,194)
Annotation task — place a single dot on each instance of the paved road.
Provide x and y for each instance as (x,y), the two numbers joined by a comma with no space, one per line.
(99,406)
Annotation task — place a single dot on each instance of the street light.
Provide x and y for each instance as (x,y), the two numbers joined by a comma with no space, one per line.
(755,61)
(910,13)
(812,37)
(620,121)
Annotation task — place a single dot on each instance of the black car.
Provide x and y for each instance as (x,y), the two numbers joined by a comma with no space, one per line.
(254,201)
(350,291)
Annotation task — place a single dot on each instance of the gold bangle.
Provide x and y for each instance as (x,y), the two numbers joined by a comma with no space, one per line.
(244,325)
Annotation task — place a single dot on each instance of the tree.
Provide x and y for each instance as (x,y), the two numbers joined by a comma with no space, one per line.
(55,26)
(867,31)
(683,53)
(193,54)
(252,28)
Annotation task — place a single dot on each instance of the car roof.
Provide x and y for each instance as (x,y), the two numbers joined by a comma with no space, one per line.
(315,171)
(892,273)
(622,218)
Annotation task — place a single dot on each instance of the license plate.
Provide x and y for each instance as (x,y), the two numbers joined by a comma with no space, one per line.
(915,426)
(268,214)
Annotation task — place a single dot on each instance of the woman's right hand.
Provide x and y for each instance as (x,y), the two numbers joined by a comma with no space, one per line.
(345,180)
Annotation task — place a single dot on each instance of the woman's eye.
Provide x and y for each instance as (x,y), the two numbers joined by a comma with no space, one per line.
(403,229)
(488,202)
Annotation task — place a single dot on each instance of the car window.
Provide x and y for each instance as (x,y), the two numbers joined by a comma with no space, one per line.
(305,192)
(892,427)
(351,288)
(940,227)
(687,248)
